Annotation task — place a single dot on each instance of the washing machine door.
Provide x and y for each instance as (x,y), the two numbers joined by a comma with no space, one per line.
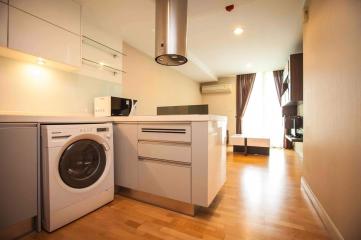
(82,163)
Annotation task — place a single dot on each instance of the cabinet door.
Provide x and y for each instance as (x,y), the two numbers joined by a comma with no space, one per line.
(64,13)
(165,180)
(175,152)
(3,24)
(41,39)
(126,155)
(18,173)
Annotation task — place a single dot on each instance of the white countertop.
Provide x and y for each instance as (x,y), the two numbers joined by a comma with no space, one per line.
(10,118)
(171,118)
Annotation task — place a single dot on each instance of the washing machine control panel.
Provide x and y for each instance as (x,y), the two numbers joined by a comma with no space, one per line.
(58,135)
(103,129)
(93,130)
(85,130)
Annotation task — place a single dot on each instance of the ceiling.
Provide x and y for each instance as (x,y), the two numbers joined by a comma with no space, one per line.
(272,31)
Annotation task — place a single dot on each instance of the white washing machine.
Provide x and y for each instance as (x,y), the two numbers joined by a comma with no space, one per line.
(78,172)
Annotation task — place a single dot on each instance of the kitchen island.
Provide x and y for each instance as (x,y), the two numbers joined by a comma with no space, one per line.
(177,162)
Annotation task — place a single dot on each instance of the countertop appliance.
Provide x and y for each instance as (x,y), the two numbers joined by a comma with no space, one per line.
(78,171)
(114,106)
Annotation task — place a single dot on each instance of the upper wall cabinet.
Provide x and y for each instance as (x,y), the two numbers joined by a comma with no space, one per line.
(64,14)
(3,24)
(39,38)
(49,29)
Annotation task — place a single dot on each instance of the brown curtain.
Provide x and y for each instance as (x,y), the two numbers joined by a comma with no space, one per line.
(278,76)
(244,89)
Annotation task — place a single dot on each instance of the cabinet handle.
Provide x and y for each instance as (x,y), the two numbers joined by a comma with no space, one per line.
(184,164)
(165,142)
(165,130)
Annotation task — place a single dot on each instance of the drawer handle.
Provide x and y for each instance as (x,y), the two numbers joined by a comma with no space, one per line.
(164,130)
(164,142)
(164,161)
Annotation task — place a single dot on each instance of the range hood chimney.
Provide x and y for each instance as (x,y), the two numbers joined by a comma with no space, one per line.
(170,32)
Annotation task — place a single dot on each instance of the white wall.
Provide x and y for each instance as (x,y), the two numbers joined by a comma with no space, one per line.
(332,110)
(155,85)
(33,89)
(223,103)
(27,88)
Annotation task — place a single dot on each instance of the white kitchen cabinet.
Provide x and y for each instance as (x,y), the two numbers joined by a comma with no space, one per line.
(99,52)
(126,155)
(19,162)
(64,14)
(176,152)
(171,132)
(39,38)
(183,161)
(3,24)
(165,180)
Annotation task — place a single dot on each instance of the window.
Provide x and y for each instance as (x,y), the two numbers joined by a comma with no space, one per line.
(263,116)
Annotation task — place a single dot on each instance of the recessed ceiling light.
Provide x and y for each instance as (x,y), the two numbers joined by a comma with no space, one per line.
(238,31)
(249,65)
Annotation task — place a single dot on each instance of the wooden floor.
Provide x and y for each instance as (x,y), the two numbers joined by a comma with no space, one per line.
(261,199)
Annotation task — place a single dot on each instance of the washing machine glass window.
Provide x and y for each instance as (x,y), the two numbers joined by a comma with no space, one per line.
(82,163)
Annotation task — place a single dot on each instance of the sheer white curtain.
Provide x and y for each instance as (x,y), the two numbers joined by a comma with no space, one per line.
(263,116)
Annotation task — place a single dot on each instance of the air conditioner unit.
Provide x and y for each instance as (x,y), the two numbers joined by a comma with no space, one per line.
(216,88)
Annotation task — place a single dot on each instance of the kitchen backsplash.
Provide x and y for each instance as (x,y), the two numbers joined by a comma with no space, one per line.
(35,89)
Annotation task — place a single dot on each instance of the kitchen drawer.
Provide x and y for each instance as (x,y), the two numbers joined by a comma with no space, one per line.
(165,132)
(165,179)
(177,152)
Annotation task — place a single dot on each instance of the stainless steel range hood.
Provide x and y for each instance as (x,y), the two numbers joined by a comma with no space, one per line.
(170,32)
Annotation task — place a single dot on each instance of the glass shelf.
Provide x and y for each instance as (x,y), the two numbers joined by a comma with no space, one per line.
(102,66)
(91,42)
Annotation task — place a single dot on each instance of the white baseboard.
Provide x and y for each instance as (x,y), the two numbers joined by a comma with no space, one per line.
(326,220)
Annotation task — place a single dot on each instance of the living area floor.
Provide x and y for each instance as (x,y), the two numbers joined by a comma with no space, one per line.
(262,199)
